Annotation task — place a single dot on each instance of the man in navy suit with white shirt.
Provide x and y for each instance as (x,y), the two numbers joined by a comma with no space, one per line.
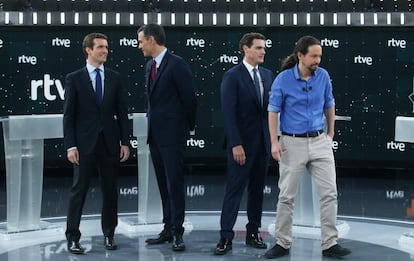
(172,107)
(96,136)
(244,97)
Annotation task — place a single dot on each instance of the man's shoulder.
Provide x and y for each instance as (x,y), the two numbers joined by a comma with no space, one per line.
(322,70)
(77,72)
(266,70)
(236,69)
(111,71)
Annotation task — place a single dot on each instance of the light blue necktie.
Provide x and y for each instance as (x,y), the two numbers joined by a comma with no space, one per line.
(257,85)
(98,86)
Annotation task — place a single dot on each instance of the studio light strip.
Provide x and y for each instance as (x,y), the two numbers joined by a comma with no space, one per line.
(205,19)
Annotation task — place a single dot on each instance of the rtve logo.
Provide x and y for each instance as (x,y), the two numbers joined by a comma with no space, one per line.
(330,43)
(128,42)
(128,191)
(392,145)
(1,43)
(194,191)
(363,59)
(27,59)
(397,43)
(229,59)
(61,42)
(196,143)
(195,42)
(46,84)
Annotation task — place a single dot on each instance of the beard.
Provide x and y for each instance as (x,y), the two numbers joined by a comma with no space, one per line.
(312,68)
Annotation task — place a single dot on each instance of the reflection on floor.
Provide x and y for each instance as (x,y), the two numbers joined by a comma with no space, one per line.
(368,239)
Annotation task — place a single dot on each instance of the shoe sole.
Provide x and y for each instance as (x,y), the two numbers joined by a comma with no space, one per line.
(159,243)
(221,253)
(335,255)
(256,246)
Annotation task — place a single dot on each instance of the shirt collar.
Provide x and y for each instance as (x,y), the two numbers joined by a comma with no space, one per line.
(296,72)
(249,66)
(91,68)
(159,57)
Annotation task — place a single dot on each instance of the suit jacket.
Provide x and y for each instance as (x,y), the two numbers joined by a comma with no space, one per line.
(244,118)
(172,103)
(84,119)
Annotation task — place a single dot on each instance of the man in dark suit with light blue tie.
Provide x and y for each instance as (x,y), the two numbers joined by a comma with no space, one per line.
(96,136)
(172,107)
(244,98)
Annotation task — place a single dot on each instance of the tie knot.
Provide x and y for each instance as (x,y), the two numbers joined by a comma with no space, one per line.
(97,70)
(254,70)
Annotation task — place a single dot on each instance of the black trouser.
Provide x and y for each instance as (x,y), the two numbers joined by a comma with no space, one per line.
(252,175)
(169,168)
(108,167)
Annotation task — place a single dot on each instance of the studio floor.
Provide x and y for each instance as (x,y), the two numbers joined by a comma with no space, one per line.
(373,220)
(368,239)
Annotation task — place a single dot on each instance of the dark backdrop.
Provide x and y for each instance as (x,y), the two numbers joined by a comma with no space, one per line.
(371,71)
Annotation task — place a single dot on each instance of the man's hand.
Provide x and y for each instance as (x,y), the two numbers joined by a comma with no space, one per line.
(276,151)
(73,156)
(124,153)
(238,155)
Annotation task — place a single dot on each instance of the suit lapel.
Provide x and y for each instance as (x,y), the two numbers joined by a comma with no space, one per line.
(108,85)
(160,70)
(249,83)
(87,82)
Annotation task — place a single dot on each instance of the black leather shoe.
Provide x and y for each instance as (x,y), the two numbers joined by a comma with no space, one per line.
(163,237)
(336,251)
(223,246)
(178,243)
(75,248)
(256,241)
(276,251)
(110,243)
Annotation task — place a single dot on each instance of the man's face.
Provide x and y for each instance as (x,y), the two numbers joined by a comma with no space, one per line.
(312,59)
(99,51)
(145,44)
(256,53)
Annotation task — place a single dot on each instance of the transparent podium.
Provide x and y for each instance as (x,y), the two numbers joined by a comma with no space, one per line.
(149,201)
(404,132)
(23,147)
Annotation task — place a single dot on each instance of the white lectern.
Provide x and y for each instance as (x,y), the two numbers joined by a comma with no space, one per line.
(404,132)
(23,147)
(149,201)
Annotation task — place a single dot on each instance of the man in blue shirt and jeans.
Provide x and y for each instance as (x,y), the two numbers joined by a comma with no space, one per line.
(302,94)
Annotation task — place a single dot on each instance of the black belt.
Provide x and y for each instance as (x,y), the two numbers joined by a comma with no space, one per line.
(310,134)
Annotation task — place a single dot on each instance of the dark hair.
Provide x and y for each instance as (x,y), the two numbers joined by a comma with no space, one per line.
(154,30)
(247,39)
(302,46)
(88,41)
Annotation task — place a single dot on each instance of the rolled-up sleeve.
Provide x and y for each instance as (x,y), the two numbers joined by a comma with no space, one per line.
(275,99)
(329,98)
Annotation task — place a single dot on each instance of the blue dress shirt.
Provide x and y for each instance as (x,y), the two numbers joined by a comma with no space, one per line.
(301,103)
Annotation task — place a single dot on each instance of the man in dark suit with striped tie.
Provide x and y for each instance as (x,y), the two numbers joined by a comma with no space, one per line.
(244,97)
(96,137)
(171,115)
